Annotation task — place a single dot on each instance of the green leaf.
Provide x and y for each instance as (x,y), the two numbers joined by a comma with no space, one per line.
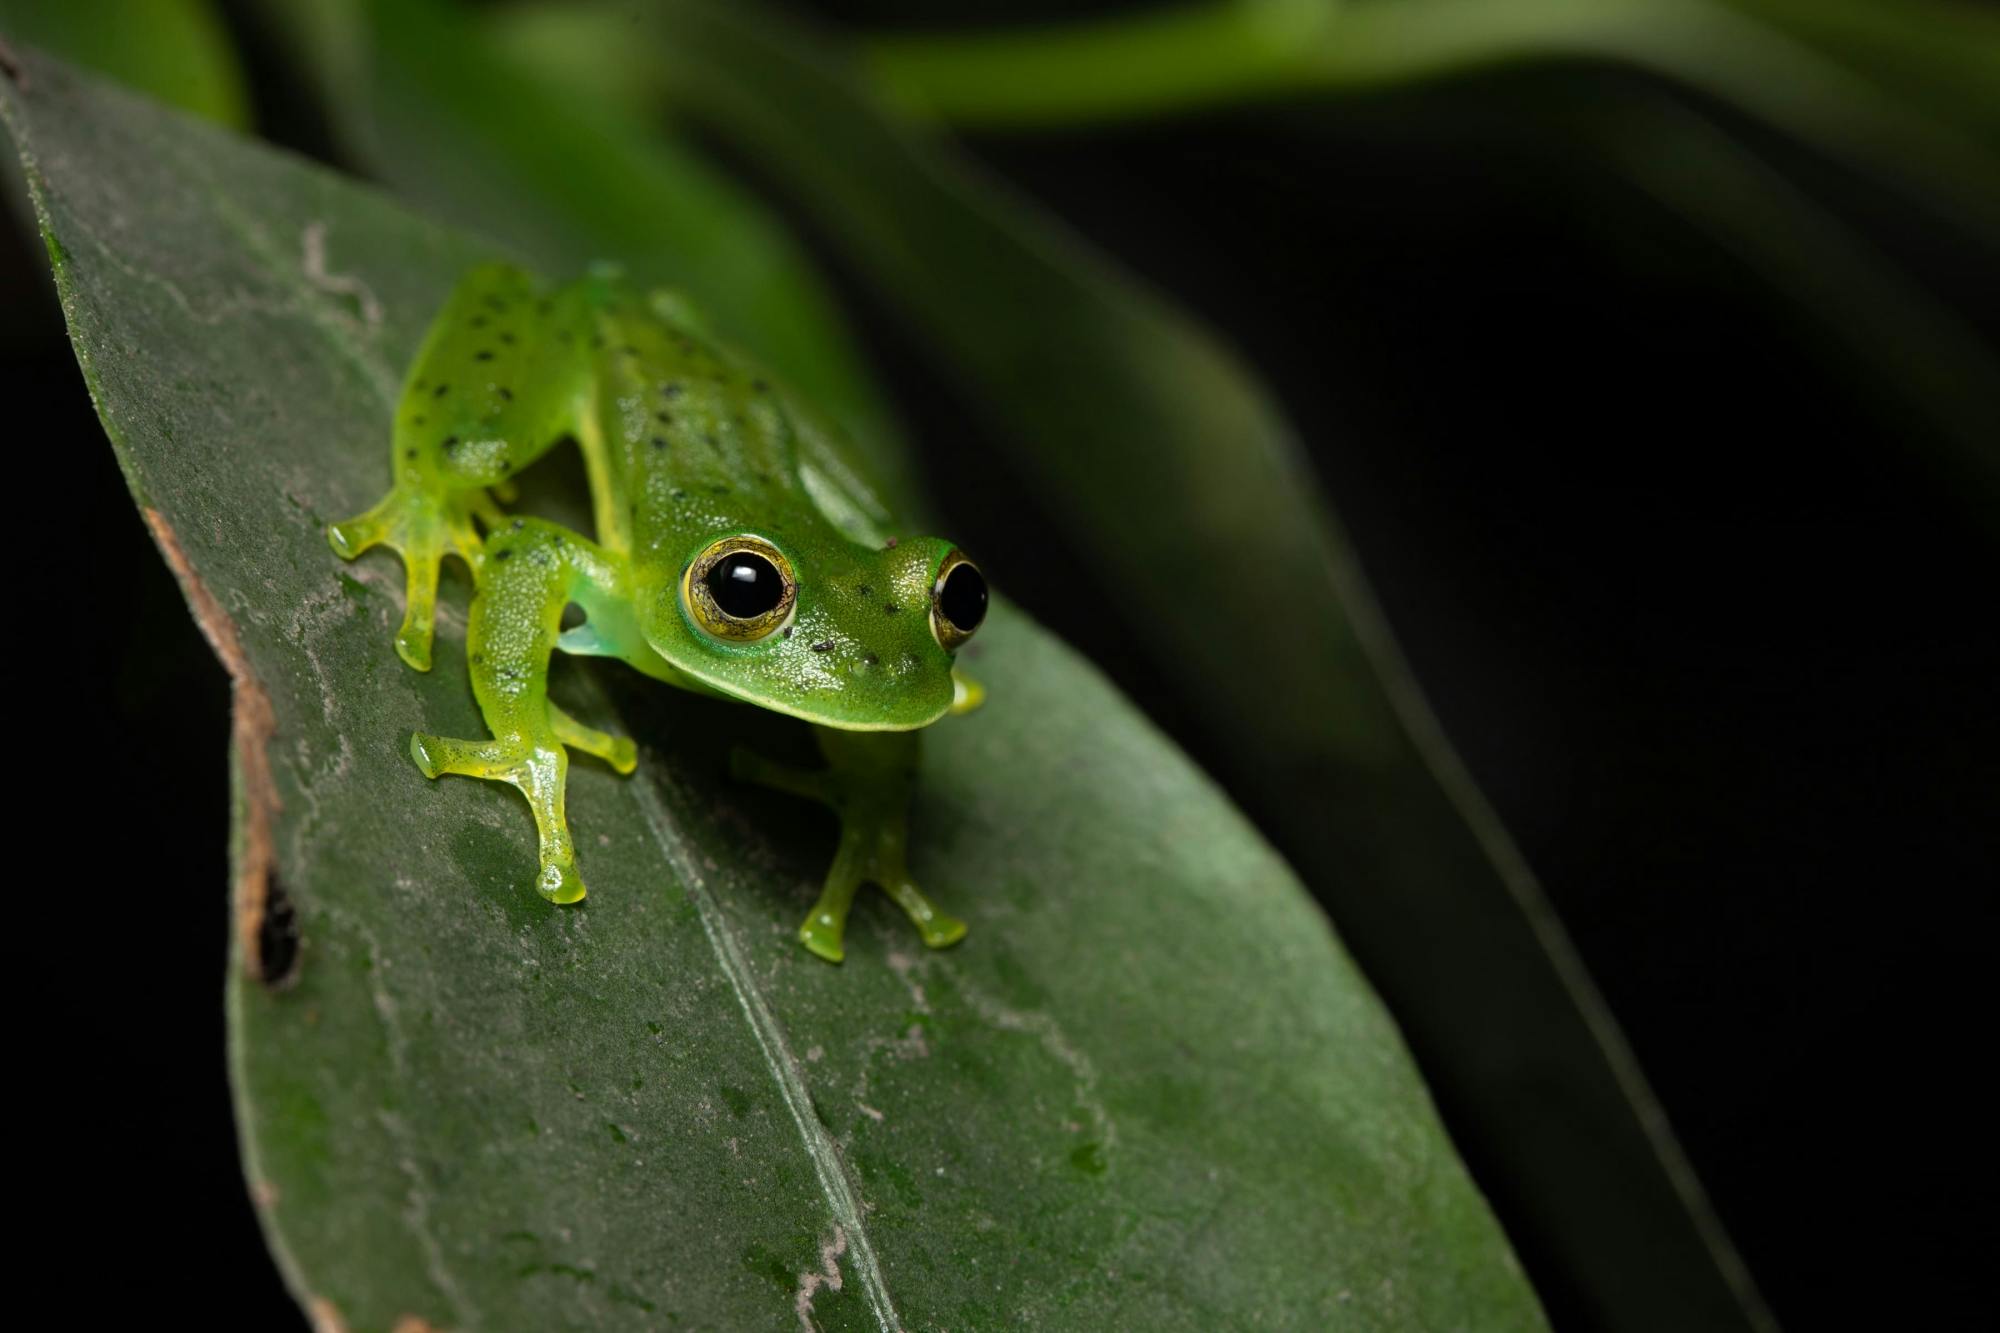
(175,50)
(1907,89)
(493,139)
(1148,1091)
(1909,94)
(1171,469)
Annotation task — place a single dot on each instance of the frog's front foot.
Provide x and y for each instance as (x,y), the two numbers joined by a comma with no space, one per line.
(537,766)
(422,527)
(539,772)
(873,805)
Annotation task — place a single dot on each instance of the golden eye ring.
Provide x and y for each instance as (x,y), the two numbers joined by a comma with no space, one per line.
(958,601)
(740,589)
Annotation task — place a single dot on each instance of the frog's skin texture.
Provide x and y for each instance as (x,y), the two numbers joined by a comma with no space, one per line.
(698,472)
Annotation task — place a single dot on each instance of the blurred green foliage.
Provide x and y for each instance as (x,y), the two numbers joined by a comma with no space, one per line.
(178,51)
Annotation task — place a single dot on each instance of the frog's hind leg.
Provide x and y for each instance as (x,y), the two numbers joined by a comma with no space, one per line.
(867,783)
(497,383)
(422,527)
(529,574)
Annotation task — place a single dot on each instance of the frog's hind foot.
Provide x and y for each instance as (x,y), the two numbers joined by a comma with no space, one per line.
(422,528)
(540,772)
(874,834)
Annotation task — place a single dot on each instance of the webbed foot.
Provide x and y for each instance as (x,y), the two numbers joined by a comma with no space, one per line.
(868,785)
(421,527)
(539,772)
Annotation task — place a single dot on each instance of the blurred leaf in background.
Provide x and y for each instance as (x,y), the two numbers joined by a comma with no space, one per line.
(178,51)
(546,156)
(1905,94)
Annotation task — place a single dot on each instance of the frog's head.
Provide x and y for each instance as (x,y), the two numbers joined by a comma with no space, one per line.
(816,626)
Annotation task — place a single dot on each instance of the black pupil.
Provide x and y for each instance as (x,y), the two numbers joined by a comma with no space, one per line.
(963,599)
(746,585)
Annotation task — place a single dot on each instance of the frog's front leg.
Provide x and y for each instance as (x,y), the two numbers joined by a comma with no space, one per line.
(531,571)
(867,782)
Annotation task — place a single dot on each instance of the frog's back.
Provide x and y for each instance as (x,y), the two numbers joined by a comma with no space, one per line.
(697,440)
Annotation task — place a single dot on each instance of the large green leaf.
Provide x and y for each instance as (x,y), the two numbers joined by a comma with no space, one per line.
(1149,1090)
(1172,470)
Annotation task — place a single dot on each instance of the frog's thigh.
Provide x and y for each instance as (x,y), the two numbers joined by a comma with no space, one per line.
(498,382)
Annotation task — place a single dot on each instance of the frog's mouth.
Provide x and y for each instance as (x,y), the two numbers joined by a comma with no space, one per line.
(830,684)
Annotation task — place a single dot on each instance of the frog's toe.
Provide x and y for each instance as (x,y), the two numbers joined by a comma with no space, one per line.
(618,751)
(939,930)
(822,936)
(356,535)
(559,882)
(413,641)
(943,932)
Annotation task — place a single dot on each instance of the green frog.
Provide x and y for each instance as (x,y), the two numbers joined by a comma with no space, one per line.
(735,553)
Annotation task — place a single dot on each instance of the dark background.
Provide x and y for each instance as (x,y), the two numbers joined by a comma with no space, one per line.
(1709,618)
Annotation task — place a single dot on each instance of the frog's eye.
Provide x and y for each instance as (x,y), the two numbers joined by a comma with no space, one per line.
(958,601)
(740,589)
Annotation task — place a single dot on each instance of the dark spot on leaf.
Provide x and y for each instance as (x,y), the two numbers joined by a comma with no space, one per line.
(1089,1158)
(277,936)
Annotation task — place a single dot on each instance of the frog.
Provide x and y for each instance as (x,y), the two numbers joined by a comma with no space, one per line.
(736,551)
